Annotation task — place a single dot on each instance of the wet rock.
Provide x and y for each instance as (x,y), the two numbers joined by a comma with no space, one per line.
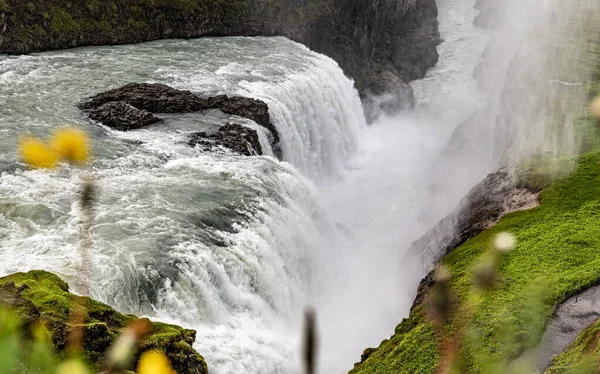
(569,320)
(253,109)
(236,137)
(131,106)
(386,94)
(496,196)
(122,116)
(151,97)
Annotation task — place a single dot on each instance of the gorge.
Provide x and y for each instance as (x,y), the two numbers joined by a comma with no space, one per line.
(332,212)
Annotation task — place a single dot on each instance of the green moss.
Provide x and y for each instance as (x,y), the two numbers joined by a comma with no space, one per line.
(61,21)
(557,255)
(558,248)
(42,297)
(414,337)
(67,24)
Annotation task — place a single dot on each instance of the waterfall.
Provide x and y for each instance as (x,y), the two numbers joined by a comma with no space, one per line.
(212,241)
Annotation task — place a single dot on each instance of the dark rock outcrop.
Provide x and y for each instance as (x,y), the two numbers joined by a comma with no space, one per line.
(131,106)
(253,109)
(40,298)
(122,116)
(236,137)
(496,196)
(368,38)
(154,98)
(386,94)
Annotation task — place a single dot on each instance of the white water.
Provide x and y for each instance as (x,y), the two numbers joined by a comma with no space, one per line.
(213,241)
(236,247)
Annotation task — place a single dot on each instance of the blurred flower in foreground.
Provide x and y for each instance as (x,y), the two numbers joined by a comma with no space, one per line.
(37,154)
(154,362)
(485,274)
(595,107)
(122,352)
(72,367)
(71,144)
(67,144)
(441,299)
(505,241)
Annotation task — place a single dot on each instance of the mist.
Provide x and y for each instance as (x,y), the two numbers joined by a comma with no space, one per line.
(510,86)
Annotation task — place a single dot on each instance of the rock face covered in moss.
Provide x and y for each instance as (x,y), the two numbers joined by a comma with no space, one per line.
(368,38)
(42,297)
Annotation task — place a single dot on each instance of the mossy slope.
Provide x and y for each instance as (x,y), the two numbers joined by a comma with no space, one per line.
(558,247)
(39,297)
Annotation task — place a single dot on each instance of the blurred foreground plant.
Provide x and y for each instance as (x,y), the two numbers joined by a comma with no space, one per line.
(23,352)
(462,339)
(72,146)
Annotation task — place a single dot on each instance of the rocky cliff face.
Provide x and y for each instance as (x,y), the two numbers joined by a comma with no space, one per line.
(370,39)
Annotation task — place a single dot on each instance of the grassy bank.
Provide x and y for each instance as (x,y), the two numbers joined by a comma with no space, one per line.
(557,255)
(41,299)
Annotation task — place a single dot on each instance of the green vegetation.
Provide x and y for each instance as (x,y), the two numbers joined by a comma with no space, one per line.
(558,246)
(41,299)
(556,256)
(48,24)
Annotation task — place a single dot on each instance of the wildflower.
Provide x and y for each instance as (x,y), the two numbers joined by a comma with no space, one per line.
(504,241)
(154,362)
(72,367)
(122,352)
(72,145)
(37,154)
(441,299)
(595,107)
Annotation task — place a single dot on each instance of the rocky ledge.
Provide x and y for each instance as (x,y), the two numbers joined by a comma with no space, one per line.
(234,136)
(40,298)
(497,195)
(133,106)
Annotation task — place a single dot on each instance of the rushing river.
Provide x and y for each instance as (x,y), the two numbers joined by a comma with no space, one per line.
(210,240)
(236,247)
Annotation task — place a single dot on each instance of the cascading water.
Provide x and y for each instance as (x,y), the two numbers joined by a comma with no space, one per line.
(236,247)
(210,240)
(491,100)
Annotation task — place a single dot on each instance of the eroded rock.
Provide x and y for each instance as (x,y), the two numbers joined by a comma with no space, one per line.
(152,97)
(236,137)
(496,196)
(122,116)
(132,106)
(386,94)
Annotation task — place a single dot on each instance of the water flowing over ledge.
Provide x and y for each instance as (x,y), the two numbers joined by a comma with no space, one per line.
(213,241)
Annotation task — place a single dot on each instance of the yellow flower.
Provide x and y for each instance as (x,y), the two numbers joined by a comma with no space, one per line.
(37,154)
(72,367)
(595,107)
(72,145)
(154,362)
